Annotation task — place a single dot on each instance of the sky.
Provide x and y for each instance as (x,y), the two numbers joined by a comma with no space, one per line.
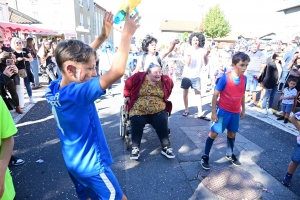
(250,16)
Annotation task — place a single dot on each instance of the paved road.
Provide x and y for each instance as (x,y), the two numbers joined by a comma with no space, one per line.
(264,151)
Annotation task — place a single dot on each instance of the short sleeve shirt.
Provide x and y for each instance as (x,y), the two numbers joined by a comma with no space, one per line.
(149,59)
(289,93)
(23,54)
(7,129)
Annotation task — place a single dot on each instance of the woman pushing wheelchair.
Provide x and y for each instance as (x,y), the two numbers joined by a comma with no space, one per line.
(146,95)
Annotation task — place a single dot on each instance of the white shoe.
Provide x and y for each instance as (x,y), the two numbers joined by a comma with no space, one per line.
(264,111)
(270,111)
(31,100)
(279,113)
(291,114)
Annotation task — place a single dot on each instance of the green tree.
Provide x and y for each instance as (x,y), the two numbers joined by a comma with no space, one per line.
(214,24)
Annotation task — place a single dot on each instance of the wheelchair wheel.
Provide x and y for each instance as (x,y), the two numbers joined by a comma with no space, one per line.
(122,124)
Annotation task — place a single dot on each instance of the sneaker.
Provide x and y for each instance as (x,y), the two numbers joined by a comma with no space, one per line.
(287,180)
(16,161)
(204,162)
(252,104)
(279,113)
(167,151)
(135,153)
(286,120)
(233,160)
(270,111)
(31,100)
(280,118)
(264,111)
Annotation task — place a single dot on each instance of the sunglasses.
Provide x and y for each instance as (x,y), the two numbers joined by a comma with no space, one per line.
(18,43)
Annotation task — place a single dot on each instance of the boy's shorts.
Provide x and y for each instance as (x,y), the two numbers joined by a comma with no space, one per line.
(228,120)
(286,107)
(251,83)
(296,155)
(102,186)
(194,83)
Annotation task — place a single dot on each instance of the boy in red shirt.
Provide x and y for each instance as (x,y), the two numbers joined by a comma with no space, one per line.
(231,88)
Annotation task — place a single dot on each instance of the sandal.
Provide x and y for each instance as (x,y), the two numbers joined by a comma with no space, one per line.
(185,114)
(204,118)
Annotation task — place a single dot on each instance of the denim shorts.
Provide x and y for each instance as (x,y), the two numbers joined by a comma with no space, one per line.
(296,155)
(286,107)
(194,83)
(252,82)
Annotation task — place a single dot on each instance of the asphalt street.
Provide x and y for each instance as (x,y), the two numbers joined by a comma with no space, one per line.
(264,151)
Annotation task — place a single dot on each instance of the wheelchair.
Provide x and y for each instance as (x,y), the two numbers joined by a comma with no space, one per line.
(125,126)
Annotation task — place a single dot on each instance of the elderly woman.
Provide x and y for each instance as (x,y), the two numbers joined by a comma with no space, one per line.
(146,94)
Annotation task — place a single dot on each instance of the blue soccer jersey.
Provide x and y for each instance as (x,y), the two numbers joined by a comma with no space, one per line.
(84,146)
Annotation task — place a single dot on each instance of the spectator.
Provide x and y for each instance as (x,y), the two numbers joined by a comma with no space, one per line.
(106,58)
(35,63)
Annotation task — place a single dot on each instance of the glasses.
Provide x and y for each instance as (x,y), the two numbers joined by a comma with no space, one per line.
(18,43)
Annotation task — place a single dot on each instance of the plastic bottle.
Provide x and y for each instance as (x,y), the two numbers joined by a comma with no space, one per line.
(121,14)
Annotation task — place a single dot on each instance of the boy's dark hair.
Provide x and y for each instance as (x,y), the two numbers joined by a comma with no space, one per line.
(240,56)
(293,79)
(200,37)
(148,40)
(73,50)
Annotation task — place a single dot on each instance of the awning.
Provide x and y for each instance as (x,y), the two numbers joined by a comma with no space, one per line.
(23,28)
(16,16)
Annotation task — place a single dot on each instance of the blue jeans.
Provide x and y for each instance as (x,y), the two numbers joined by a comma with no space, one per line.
(27,84)
(35,69)
(270,93)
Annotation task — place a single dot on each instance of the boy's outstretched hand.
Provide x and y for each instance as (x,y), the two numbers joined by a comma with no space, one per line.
(131,24)
(107,24)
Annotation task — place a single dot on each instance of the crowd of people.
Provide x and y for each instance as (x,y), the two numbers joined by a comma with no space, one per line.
(79,76)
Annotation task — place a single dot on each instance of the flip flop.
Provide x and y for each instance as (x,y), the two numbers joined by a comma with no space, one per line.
(185,114)
(204,118)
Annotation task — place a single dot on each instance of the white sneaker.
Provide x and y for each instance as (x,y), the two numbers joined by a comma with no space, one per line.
(264,111)
(270,111)
(279,113)
(31,100)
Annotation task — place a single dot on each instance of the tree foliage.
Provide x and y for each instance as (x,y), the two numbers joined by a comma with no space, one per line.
(214,24)
(182,36)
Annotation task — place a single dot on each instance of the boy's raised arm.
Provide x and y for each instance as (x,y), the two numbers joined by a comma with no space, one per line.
(106,29)
(118,66)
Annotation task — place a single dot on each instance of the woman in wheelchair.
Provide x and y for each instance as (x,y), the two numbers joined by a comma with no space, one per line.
(146,94)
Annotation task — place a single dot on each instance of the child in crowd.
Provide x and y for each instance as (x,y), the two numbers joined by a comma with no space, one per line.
(7,130)
(288,98)
(226,115)
(295,159)
(219,72)
(71,98)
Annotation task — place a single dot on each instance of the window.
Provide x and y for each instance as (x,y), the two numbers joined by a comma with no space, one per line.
(89,22)
(88,4)
(81,2)
(90,39)
(81,19)
(36,15)
(82,38)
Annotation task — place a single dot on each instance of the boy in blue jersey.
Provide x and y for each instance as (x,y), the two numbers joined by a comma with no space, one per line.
(71,98)
(227,112)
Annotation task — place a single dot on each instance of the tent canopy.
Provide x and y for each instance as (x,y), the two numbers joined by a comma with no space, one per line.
(23,28)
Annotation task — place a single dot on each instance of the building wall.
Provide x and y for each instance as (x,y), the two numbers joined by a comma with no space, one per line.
(291,22)
(54,14)
(84,15)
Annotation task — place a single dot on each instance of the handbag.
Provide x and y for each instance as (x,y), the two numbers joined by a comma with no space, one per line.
(22,73)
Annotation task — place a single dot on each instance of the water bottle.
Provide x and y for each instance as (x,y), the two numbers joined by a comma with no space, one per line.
(121,14)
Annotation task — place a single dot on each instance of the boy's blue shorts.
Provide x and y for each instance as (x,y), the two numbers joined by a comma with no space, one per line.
(296,154)
(102,186)
(228,120)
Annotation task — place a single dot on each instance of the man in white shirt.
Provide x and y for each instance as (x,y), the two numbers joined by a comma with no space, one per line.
(195,59)
(150,54)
